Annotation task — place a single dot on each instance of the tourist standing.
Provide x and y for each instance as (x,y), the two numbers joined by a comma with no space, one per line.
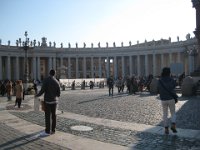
(166,86)
(51,90)
(19,93)
(9,90)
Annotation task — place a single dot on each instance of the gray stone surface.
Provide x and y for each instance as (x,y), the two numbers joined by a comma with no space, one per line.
(140,108)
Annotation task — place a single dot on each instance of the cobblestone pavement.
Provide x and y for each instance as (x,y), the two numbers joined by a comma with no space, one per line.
(135,139)
(140,108)
(11,139)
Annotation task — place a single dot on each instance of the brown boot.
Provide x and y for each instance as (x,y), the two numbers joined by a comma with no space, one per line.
(173,128)
(166,130)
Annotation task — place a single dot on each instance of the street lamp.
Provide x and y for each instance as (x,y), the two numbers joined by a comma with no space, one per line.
(26,47)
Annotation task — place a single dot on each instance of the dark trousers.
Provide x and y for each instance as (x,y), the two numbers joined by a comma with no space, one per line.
(50,114)
(111,90)
(18,102)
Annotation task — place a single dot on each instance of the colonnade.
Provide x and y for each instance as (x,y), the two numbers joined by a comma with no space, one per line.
(98,63)
(90,67)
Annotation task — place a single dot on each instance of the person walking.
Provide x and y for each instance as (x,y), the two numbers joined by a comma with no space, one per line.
(9,90)
(110,84)
(166,86)
(51,90)
(19,93)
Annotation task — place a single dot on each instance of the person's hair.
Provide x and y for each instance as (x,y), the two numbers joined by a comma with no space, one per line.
(52,72)
(165,72)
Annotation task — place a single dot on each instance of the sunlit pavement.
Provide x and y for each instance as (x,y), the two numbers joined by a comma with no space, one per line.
(90,119)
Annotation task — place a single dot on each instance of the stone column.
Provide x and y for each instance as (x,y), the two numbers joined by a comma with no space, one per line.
(92,67)
(84,67)
(8,68)
(77,73)
(61,61)
(100,69)
(107,67)
(191,63)
(138,65)
(115,67)
(131,65)
(154,65)
(34,68)
(178,57)
(38,69)
(69,68)
(49,63)
(146,65)
(54,63)
(162,61)
(16,68)
(1,76)
(123,70)
(170,59)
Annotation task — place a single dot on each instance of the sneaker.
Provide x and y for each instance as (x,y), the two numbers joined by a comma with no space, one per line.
(43,134)
(173,128)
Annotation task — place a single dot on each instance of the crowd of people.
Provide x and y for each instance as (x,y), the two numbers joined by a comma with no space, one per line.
(51,90)
(16,88)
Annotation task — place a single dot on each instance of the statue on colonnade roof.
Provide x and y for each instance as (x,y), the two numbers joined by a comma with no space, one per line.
(49,44)
(99,45)
(17,43)
(130,43)
(122,44)
(114,44)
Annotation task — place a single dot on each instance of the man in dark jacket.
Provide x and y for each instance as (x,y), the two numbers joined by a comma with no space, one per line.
(51,89)
(110,84)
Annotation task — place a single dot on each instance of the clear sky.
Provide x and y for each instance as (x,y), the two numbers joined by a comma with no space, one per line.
(93,21)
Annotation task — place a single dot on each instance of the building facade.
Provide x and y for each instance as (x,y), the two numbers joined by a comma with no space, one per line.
(98,62)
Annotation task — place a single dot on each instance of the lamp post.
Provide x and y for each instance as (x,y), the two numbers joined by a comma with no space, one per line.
(26,47)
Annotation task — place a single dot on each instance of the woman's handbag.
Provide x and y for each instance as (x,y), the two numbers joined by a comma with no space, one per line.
(42,105)
(174,95)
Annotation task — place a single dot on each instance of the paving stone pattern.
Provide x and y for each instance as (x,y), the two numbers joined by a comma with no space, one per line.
(139,140)
(11,139)
(141,108)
